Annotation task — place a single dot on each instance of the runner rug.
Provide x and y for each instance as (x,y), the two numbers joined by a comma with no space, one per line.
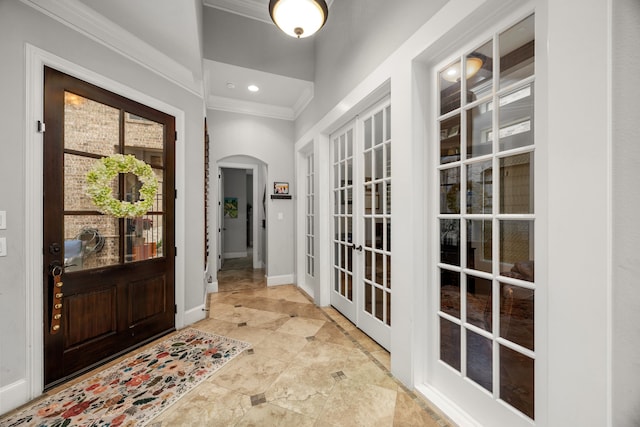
(137,389)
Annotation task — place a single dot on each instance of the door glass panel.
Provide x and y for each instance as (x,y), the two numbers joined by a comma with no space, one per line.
(479,302)
(76,168)
(517,52)
(89,126)
(387,151)
(379,269)
(450,241)
(516,249)
(450,88)
(516,380)
(379,170)
(367,166)
(143,238)
(479,360)
(450,140)
(378,123)
(368,139)
(516,315)
(450,292)
(516,119)
(479,127)
(450,191)
(450,343)
(516,184)
(379,312)
(90,241)
(368,298)
(479,197)
(368,265)
(479,241)
(480,71)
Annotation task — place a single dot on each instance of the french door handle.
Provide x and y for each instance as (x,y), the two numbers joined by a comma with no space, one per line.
(357,248)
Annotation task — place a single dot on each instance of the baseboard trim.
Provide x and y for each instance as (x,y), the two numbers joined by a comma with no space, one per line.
(194,315)
(230,255)
(212,287)
(286,279)
(13,395)
(448,407)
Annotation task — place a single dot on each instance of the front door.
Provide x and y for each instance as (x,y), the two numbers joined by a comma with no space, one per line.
(114,288)
(361,184)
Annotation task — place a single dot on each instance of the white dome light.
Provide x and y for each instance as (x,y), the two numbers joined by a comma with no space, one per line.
(299,18)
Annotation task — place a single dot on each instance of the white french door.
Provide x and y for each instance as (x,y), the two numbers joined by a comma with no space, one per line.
(483,282)
(361,223)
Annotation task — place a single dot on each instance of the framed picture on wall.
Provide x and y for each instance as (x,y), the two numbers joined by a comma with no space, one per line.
(231,207)
(280,188)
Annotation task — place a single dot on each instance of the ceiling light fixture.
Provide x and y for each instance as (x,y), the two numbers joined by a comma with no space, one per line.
(299,18)
(452,74)
(253,88)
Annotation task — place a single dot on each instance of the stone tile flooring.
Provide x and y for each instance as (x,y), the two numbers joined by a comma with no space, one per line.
(307,367)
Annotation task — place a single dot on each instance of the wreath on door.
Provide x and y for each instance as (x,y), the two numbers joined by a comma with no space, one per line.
(101,176)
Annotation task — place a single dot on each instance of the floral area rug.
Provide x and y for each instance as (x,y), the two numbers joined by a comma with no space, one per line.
(137,389)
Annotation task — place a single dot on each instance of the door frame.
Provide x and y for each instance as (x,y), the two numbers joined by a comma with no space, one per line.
(35,61)
(256,236)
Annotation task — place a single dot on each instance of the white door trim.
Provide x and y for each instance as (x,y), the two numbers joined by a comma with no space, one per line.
(35,61)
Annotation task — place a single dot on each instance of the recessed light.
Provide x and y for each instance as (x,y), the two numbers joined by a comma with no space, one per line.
(231,85)
(253,88)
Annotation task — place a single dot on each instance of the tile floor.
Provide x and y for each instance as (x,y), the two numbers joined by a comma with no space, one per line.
(308,366)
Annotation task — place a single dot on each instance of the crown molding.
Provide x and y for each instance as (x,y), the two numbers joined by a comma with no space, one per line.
(247,8)
(252,108)
(303,101)
(87,21)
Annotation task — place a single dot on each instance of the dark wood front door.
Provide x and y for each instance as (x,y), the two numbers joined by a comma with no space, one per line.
(117,273)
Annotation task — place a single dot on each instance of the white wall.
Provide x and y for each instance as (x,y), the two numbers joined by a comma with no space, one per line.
(271,142)
(235,233)
(358,36)
(20,24)
(626,205)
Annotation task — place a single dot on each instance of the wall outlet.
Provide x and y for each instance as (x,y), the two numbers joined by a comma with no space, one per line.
(3,246)
(3,220)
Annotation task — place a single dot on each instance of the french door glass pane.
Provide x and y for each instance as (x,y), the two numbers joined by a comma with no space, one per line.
(76,168)
(480,83)
(450,292)
(516,249)
(479,302)
(450,241)
(479,197)
(517,380)
(479,241)
(450,343)
(450,191)
(450,140)
(480,360)
(517,52)
(479,125)
(517,315)
(450,88)
(516,184)
(516,119)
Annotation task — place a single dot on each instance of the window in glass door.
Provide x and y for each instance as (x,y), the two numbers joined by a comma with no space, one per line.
(486,216)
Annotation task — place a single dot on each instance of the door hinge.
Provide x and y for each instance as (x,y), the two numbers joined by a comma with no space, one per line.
(175,251)
(175,309)
(176,137)
(175,192)
(41,127)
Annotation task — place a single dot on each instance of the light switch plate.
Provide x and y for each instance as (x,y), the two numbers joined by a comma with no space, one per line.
(3,246)
(3,220)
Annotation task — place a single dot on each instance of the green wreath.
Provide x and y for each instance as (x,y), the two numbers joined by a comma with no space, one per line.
(99,181)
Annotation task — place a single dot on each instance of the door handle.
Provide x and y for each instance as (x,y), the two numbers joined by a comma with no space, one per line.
(354,247)
(56,269)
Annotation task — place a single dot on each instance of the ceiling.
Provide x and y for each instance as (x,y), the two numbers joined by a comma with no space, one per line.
(165,36)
